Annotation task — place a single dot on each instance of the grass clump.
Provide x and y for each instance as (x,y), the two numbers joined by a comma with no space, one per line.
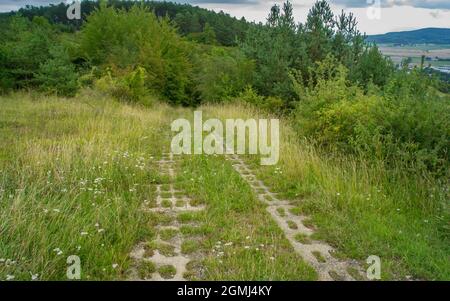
(180,203)
(319,256)
(302,238)
(189,246)
(167,234)
(292,225)
(166,249)
(166,203)
(188,217)
(145,269)
(281,211)
(167,271)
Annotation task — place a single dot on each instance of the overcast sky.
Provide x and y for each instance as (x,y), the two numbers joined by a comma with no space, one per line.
(393,15)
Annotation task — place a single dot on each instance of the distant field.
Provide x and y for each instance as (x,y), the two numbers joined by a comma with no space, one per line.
(398,53)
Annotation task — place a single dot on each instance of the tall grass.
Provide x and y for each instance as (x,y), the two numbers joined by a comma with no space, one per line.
(361,208)
(73,174)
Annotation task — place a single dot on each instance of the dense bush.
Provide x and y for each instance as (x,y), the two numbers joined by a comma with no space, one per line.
(129,86)
(24,46)
(33,56)
(222,74)
(58,75)
(406,125)
(127,39)
(271,104)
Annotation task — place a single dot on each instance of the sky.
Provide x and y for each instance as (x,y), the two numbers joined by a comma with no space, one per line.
(373,16)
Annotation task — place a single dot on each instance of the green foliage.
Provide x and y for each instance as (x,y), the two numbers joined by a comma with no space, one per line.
(222,74)
(272,47)
(24,45)
(33,55)
(208,36)
(406,126)
(372,67)
(269,103)
(188,19)
(250,96)
(58,75)
(280,47)
(125,39)
(128,87)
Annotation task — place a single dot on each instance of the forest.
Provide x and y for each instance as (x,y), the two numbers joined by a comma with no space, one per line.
(333,89)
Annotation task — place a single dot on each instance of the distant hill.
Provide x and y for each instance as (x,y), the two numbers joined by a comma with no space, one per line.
(420,36)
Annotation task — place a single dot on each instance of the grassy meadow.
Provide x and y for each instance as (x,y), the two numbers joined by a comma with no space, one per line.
(358,207)
(75,172)
(73,175)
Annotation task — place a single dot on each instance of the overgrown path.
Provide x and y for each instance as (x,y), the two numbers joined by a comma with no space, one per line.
(318,254)
(165,257)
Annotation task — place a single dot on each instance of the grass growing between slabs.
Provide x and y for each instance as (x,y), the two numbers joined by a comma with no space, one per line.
(240,241)
(73,175)
(360,208)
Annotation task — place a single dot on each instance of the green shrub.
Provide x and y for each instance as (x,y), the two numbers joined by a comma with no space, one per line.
(24,46)
(58,75)
(128,86)
(271,104)
(407,124)
(222,74)
(124,39)
(250,96)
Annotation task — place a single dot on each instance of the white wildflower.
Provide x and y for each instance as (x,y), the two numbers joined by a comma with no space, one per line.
(58,251)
